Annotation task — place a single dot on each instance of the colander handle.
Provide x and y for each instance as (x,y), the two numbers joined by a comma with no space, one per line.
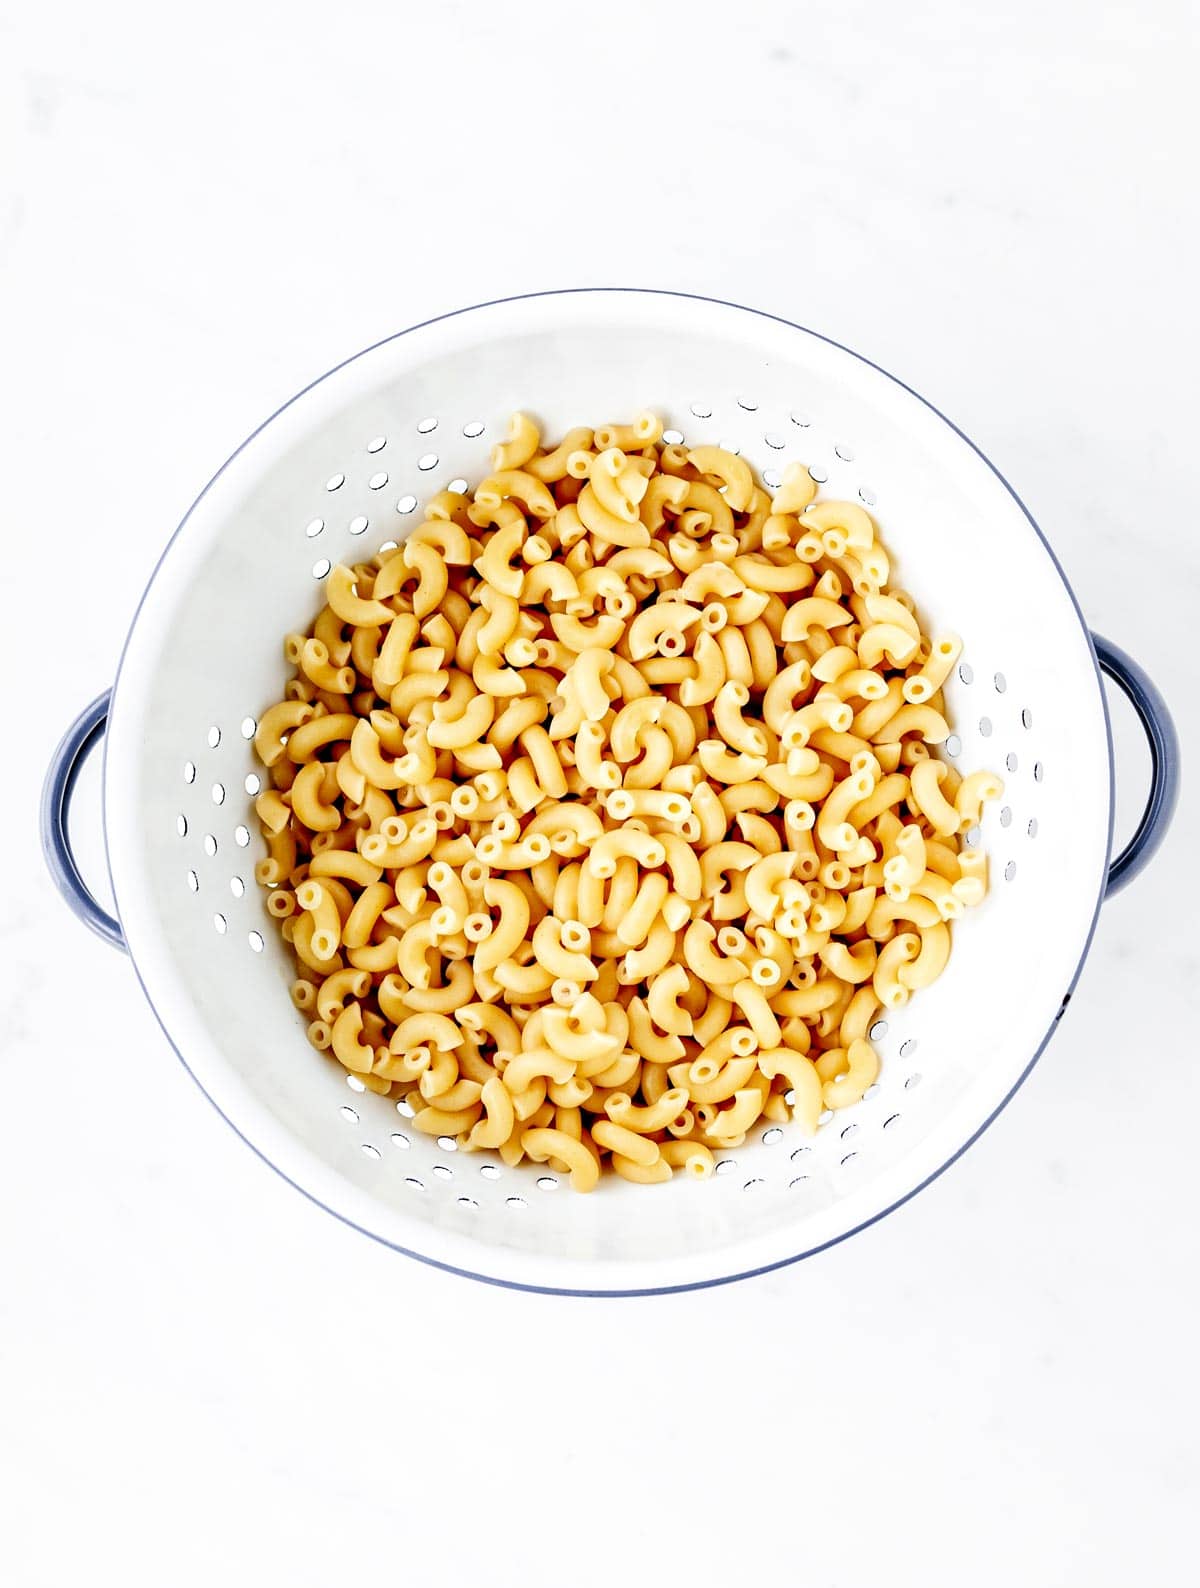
(56,802)
(1164,761)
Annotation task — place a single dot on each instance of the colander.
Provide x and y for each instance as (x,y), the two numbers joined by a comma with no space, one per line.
(341,469)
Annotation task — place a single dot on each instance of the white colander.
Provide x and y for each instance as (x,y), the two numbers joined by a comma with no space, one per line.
(341,469)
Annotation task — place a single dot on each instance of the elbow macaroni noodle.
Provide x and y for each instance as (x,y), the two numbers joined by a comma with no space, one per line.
(602,817)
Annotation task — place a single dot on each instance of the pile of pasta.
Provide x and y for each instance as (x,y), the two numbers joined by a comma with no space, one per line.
(603,818)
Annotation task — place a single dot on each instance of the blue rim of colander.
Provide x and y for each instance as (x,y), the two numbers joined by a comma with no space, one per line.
(1106,658)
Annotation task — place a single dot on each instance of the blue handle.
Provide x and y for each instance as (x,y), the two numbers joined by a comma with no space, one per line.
(56,802)
(1164,757)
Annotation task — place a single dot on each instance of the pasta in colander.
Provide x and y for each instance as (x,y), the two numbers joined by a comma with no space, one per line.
(605,811)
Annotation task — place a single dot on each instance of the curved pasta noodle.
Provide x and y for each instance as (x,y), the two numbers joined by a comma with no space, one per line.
(341,591)
(548,1142)
(732,473)
(925,780)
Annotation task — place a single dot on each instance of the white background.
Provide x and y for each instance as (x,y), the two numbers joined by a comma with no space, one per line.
(202,1377)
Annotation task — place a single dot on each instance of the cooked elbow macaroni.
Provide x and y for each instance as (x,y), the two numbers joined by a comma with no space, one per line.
(602,816)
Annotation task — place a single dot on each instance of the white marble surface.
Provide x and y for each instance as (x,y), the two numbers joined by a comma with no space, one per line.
(201,1376)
